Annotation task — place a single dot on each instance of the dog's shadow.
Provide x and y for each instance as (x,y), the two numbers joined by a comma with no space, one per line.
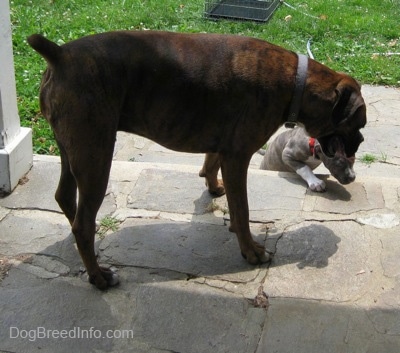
(199,249)
(307,246)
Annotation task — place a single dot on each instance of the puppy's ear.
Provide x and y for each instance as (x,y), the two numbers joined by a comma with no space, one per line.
(348,100)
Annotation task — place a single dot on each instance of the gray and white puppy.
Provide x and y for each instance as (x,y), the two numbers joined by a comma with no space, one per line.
(295,151)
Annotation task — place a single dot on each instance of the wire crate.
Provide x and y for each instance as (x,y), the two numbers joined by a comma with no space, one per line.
(253,10)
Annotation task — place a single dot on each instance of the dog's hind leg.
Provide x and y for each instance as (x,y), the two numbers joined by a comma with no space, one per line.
(234,174)
(91,175)
(66,190)
(209,171)
(86,155)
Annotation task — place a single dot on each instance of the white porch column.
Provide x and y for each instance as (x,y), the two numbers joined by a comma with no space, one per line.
(15,141)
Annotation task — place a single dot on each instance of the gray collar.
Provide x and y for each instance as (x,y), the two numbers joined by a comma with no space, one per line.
(301,76)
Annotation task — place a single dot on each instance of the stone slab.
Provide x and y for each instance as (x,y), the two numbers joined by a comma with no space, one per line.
(29,304)
(170,191)
(198,319)
(38,190)
(294,325)
(332,261)
(31,231)
(391,252)
(156,312)
(359,196)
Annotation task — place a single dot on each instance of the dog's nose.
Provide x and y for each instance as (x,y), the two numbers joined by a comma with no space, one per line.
(346,177)
(351,177)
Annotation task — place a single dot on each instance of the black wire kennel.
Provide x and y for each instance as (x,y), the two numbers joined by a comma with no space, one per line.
(252,10)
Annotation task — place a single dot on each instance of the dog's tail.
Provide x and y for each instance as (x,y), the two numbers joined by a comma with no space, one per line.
(48,49)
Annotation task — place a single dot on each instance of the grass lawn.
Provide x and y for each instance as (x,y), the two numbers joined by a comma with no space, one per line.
(353,36)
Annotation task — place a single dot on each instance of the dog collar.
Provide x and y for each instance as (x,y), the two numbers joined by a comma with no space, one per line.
(311,144)
(315,147)
(301,75)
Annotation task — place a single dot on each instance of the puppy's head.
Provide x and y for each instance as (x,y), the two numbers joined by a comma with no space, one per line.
(340,165)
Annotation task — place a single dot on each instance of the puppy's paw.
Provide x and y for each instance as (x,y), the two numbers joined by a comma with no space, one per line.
(317,186)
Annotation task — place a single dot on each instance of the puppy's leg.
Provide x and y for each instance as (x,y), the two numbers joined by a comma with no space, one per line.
(210,172)
(234,174)
(313,182)
(295,159)
(66,190)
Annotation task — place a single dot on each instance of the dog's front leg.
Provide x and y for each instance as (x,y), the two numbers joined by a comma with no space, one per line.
(234,174)
(313,182)
(295,162)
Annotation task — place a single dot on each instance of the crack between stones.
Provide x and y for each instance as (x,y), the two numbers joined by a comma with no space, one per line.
(189,276)
(382,269)
(8,212)
(330,220)
(382,99)
(262,282)
(315,300)
(31,209)
(165,350)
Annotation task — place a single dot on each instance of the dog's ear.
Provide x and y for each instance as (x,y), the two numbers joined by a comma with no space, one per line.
(348,101)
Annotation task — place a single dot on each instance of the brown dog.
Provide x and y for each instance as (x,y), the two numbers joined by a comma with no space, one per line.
(215,94)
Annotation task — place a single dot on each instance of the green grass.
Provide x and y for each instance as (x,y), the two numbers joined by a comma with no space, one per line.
(369,158)
(346,35)
(107,224)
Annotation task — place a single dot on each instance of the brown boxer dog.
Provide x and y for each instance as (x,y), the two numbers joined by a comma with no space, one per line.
(222,95)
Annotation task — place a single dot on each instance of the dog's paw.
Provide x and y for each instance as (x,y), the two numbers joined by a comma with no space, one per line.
(215,186)
(216,189)
(318,186)
(258,254)
(106,278)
